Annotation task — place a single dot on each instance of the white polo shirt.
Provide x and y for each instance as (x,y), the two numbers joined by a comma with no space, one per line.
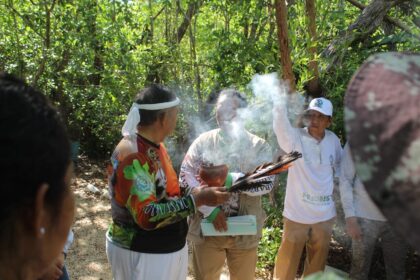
(310,180)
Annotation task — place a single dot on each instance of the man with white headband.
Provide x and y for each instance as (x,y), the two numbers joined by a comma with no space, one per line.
(147,236)
(309,209)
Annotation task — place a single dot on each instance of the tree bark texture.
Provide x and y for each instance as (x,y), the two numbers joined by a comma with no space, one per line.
(368,21)
(313,86)
(387,19)
(283,41)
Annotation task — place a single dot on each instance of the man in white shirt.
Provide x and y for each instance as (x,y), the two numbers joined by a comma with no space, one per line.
(242,151)
(309,209)
(365,224)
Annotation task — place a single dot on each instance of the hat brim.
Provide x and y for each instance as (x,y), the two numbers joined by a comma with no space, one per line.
(318,110)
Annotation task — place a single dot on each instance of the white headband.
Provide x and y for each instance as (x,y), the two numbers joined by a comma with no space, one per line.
(133,117)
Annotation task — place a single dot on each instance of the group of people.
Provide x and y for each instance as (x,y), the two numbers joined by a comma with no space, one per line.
(154,213)
(150,207)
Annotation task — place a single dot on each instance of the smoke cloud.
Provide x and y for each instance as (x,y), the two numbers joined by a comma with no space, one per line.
(265,92)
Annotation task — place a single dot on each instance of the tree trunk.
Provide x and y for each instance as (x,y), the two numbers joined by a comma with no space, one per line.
(98,65)
(313,87)
(283,40)
(256,21)
(154,71)
(263,22)
(245,17)
(193,8)
(196,68)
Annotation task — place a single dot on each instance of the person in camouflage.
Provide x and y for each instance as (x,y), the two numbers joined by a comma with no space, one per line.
(365,224)
(382,120)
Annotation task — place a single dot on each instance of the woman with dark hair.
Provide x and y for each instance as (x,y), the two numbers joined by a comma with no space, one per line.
(36,205)
(147,237)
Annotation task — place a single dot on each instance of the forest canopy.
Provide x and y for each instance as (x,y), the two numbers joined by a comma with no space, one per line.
(91,57)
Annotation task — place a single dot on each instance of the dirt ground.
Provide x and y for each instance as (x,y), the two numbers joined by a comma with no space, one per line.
(86,259)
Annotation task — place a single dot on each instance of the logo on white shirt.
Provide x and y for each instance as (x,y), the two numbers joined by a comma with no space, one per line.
(316,199)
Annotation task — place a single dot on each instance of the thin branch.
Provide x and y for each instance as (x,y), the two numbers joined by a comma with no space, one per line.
(261,29)
(161,10)
(41,67)
(21,62)
(47,43)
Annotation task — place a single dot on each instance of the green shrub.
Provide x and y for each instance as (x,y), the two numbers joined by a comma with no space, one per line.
(268,247)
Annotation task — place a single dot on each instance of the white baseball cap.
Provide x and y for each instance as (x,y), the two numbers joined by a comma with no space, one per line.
(322,105)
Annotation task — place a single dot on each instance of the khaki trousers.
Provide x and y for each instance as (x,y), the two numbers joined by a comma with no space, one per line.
(209,258)
(316,237)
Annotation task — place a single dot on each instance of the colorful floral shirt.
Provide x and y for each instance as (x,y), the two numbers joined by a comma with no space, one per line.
(146,196)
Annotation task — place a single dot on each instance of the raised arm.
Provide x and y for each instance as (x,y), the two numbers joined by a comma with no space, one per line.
(287,135)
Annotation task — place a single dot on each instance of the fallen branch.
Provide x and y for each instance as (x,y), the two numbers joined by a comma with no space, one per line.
(387,18)
(365,25)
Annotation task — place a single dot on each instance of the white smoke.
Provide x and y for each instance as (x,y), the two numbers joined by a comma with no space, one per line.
(270,91)
(267,90)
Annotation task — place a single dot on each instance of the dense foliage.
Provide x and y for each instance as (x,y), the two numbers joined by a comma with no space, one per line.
(92,56)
